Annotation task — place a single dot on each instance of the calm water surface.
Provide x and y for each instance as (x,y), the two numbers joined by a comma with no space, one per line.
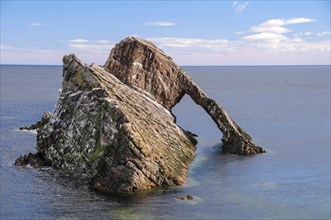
(285,108)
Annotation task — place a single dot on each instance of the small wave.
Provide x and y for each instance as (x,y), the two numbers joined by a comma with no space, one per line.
(45,168)
(29,166)
(34,131)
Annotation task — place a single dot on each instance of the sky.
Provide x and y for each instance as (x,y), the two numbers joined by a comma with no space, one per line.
(191,32)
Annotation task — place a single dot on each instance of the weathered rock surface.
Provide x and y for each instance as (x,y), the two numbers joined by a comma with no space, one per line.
(141,64)
(122,138)
(35,160)
(114,125)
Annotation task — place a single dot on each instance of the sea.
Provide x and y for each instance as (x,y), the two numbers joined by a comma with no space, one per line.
(285,108)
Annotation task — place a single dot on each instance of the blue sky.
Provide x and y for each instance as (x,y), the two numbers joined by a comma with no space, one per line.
(192,32)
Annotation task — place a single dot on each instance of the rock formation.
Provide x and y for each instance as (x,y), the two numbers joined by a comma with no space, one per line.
(41,123)
(141,64)
(122,138)
(114,125)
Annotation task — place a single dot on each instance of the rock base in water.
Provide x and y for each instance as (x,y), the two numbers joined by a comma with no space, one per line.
(40,124)
(121,137)
(34,160)
(114,125)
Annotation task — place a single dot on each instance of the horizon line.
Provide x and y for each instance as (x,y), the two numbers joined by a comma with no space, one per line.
(239,65)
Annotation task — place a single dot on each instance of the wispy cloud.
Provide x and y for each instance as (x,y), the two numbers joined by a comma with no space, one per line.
(324,33)
(84,45)
(160,23)
(192,43)
(311,33)
(35,24)
(79,41)
(273,31)
(271,36)
(267,36)
(6,47)
(283,22)
(102,42)
(239,6)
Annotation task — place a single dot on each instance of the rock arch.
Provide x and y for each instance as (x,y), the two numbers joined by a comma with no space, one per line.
(141,64)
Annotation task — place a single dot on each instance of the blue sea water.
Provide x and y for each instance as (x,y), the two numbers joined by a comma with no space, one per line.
(285,108)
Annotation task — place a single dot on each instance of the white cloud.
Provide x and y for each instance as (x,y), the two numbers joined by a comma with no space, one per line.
(79,46)
(6,47)
(282,22)
(83,45)
(35,24)
(324,33)
(270,37)
(267,42)
(258,48)
(271,42)
(310,33)
(160,23)
(275,25)
(266,36)
(298,20)
(102,42)
(306,33)
(272,31)
(79,41)
(239,6)
(191,43)
(297,45)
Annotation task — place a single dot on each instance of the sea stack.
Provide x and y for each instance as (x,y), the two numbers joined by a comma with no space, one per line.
(141,64)
(113,124)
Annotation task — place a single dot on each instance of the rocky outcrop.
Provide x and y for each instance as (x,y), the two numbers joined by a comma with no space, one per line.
(34,160)
(114,126)
(40,124)
(120,137)
(141,64)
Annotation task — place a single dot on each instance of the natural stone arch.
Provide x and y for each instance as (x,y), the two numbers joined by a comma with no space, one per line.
(195,120)
(141,64)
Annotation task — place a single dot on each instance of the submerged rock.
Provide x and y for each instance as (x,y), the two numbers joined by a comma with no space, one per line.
(114,123)
(187,197)
(141,64)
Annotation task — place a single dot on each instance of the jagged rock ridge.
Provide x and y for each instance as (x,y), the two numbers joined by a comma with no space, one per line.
(141,64)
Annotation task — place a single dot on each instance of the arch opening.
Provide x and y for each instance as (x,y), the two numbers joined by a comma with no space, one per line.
(193,118)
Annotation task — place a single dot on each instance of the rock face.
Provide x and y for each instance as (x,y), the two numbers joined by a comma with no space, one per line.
(122,138)
(141,64)
(114,125)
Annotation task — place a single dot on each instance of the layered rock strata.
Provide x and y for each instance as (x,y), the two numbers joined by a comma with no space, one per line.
(120,137)
(141,64)
(114,126)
